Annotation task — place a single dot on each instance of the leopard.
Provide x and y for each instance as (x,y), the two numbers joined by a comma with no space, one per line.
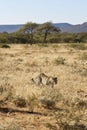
(43,80)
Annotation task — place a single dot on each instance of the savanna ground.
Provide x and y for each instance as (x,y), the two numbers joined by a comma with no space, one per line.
(26,106)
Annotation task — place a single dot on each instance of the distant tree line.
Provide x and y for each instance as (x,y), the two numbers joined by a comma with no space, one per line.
(41,33)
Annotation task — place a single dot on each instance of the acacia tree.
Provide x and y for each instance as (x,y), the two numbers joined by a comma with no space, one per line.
(29,30)
(47,28)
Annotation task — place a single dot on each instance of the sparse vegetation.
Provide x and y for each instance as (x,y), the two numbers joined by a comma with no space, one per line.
(73,117)
(49,98)
(6,93)
(78,46)
(12,126)
(84,56)
(34,33)
(84,73)
(19,102)
(5,46)
(30,106)
(60,61)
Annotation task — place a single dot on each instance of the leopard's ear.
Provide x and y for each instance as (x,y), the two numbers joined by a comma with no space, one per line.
(55,80)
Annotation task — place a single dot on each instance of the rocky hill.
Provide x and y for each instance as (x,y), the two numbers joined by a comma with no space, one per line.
(10,28)
(65,27)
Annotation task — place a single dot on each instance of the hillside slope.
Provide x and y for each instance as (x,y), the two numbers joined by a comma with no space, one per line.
(10,28)
(65,27)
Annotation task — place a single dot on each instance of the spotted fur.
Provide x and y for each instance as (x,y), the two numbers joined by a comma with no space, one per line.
(44,80)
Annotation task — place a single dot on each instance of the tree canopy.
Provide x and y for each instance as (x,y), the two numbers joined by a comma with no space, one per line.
(29,29)
(47,28)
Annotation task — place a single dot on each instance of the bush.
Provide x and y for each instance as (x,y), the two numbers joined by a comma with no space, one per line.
(5,46)
(59,61)
(20,102)
(47,102)
(49,97)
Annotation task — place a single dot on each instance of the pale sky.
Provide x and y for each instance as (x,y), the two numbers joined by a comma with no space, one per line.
(40,11)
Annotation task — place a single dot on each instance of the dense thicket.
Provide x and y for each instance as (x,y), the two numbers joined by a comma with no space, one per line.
(34,33)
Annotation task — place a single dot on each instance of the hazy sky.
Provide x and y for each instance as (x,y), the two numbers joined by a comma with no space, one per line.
(40,11)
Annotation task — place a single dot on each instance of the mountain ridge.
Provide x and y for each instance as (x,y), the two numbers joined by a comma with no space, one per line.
(64,27)
(70,28)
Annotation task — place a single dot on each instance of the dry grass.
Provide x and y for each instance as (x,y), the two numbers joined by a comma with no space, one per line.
(35,107)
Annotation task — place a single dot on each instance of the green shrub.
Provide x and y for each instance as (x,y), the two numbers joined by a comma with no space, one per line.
(47,102)
(5,46)
(49,97)
(60,61)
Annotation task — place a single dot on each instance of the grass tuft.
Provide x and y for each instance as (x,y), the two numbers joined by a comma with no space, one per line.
(59,61)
